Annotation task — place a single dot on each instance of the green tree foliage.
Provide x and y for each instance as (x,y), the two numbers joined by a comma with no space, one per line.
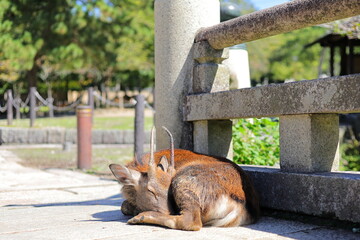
(285,56)
(350,156)
(92,41)
(256,141)
(103,42)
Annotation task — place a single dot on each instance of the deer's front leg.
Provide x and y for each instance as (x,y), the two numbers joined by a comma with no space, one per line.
(153,218)
(189,221)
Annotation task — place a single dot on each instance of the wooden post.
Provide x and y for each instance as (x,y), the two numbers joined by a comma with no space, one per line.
(32,106)
(84,124)
(139,126)
(91,97)
(9,107)
(51,107)
(50,100)
(17,109)
(91,101)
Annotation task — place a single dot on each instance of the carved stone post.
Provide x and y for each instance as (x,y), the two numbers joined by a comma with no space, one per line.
(210,75)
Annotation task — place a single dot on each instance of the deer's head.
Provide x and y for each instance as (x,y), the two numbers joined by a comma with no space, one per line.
(147,187)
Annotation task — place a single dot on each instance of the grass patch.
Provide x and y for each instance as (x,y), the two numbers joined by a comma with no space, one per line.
(43,158)
(100,122)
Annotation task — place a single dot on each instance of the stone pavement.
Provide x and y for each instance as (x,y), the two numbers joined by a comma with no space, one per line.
(63,204)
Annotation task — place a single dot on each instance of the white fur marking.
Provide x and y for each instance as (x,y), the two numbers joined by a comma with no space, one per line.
(230,217)
(224,212)
(221,206)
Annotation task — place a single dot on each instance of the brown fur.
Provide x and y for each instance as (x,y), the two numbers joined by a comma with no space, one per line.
(201,190)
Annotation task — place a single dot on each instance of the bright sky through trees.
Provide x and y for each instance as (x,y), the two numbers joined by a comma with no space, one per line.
(261,4)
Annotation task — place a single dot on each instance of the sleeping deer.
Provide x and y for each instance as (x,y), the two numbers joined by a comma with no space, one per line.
(184,190)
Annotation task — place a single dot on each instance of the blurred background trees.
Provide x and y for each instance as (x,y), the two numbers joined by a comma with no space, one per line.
(68,44)
(72,44)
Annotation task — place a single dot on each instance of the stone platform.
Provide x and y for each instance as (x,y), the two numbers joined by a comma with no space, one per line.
(63,204)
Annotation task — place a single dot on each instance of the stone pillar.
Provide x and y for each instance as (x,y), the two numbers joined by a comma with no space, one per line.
(176,23)
(211,137)
(309,142)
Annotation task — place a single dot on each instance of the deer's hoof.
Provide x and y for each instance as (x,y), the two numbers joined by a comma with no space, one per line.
(136,220)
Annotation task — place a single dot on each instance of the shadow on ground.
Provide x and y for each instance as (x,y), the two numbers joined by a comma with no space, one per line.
(106,216)
(115,200)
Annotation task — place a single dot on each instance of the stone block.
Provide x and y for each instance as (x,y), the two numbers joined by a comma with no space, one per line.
(203,52)
(331,194)
(55,135)
(112,137)
(97,136)
(37,136)
(128,137)
(4,135)
(329,95)
(309,142)
(209,77)
(71,135)
(17,135)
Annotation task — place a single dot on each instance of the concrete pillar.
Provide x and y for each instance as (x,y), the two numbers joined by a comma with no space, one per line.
(309,142)
(210,75)
(176,24)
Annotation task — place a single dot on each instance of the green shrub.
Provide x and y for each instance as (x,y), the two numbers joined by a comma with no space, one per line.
(350,156)
(256,141)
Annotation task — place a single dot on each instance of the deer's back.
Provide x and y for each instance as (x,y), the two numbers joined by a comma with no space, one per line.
(219,187)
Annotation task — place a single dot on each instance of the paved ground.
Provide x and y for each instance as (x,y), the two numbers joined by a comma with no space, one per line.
(61,204)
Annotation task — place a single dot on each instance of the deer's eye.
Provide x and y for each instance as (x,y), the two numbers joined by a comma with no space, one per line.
(152,191)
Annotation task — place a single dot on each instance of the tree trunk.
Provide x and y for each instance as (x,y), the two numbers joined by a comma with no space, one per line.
(31,76)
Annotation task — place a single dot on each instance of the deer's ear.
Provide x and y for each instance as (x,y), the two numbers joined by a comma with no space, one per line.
(125,175)
(164,164)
